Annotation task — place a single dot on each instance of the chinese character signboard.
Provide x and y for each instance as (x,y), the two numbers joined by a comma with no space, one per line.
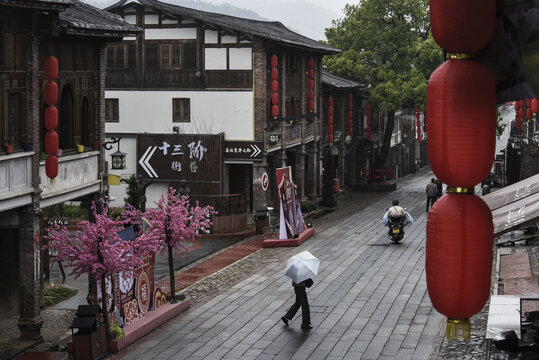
(184,157)
(243,150)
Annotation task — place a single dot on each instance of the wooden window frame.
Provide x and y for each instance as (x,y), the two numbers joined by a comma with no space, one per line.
(111,110)
(183,116)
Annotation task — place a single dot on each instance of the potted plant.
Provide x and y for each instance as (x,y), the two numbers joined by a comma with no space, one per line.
(116,332)
(80,148)
(59,152)
(9,148)
(27,145)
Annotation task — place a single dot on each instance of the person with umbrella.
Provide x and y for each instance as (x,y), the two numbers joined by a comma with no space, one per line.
(300,269)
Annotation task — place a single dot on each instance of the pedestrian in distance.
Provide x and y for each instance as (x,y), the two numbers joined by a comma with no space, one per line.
(432,193)
(301,301)
(439,186)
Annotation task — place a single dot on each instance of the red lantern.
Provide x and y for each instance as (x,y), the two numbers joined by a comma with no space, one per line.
(275,111)
(51,68)
(51,142)
(521,104)
(330,138)
(330,129)
(521,113)
(529,114)
(275,99)
(51,118)
(528,103)
(330,110)
(461,105)
(330,119)
(311,84)
(51,166)
(419,138)
(274,74)
(51,92)
(310,94)
(350,130)
(311,74)
(274,86)
(462,26)
(350,114)
(517,106)
(274,61)
(535,105)
(330,101)
(310,63)
(310,105)
(459,255)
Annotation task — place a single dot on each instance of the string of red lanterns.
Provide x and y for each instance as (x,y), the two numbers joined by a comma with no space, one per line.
(51,117)
(330,121)
(274,87)
(310,85)
(461,107)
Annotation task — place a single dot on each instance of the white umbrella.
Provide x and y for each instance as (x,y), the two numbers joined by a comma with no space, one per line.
(302,267)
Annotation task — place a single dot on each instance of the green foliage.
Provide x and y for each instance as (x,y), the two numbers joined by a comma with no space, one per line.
(116,332)
(53,294)
(387,44)
(132,192)
(115,212)
(72,212)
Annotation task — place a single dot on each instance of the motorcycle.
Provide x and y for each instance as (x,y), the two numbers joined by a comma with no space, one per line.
(396,228)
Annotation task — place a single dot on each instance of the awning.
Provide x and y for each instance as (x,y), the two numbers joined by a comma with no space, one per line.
(515,206)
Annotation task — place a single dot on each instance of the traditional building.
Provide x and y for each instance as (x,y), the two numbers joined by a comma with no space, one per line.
(249,89)
(347,126)
(31,31)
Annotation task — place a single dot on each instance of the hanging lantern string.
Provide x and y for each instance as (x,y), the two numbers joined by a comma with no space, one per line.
(459,56)
(460,190)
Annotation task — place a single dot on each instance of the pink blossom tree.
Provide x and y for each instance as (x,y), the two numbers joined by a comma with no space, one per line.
(175,221)
(96,248)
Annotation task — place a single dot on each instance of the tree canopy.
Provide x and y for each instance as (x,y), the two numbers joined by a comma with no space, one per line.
(388,45)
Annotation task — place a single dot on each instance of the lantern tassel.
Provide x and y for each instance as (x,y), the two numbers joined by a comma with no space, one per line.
(458,329)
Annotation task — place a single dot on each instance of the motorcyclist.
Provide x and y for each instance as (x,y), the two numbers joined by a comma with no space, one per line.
(397,210)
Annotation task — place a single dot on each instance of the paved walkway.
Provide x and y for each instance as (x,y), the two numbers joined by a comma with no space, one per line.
(369,300)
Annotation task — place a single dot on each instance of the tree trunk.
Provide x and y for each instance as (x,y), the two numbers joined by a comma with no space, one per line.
(381,159)
(171,274)
(104,303)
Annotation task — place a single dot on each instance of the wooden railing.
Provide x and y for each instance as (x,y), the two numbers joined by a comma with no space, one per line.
(224,204)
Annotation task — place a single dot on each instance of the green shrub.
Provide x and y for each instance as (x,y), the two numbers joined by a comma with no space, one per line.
(53,294)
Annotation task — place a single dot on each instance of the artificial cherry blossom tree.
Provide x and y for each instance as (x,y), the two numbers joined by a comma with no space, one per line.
(96,249)
(174,221)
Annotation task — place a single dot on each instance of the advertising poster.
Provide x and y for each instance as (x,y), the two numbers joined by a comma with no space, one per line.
(287,203)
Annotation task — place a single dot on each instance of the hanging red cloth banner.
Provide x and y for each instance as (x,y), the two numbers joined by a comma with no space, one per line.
(51,117)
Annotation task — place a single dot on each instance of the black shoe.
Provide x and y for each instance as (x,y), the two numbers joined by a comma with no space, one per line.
(306,327)
(285,320)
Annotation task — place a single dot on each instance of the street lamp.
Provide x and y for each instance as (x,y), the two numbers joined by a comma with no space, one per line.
(118,157)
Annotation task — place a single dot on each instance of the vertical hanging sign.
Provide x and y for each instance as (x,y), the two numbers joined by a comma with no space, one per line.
(51,117)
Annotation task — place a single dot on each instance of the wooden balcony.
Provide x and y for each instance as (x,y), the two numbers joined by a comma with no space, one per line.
(78,175)
(289,135)
(15,180)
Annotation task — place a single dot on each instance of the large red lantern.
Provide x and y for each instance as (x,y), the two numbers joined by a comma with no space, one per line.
(535,105)
(51,92)
(275,99)
(461,105)
(310,105)
(274,61)
(274,86)
(462,26)
(275,111)
(51,118)
(51,142)
(51,166)
(459,254)
(274,74)
(51,68)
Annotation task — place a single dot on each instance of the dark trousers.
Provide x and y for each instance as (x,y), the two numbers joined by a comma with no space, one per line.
(431,200)
(301,300)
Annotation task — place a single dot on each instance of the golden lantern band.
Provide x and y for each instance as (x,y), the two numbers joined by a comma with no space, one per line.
(460,190)
(458,328)
(459,56)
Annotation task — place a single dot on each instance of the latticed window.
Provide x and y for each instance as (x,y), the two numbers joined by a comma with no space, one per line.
(181,111)
(111,110)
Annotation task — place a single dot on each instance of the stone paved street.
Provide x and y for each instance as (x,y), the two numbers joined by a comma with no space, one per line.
(369,300)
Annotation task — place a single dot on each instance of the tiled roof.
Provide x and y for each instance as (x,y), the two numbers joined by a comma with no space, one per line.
(271,30)
(84,19)
(339,82)
(38,4)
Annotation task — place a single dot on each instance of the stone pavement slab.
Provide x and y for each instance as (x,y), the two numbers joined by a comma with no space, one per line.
(368,301)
